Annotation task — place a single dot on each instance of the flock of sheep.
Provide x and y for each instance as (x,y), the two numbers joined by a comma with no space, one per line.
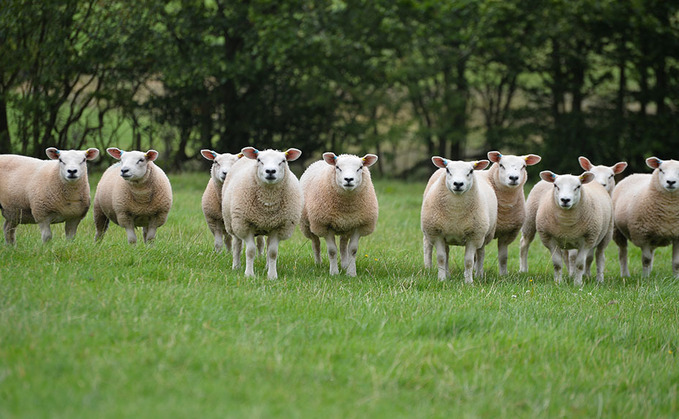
(254,194)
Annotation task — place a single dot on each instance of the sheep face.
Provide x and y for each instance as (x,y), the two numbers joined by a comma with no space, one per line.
(567,188)
(349,169)
(72,163)
(605,175)
(221,163)
(133,164)
(512,169)
(271,164)
(459,174)
(667,171)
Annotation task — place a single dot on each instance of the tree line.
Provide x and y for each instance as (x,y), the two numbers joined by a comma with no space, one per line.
(456,78)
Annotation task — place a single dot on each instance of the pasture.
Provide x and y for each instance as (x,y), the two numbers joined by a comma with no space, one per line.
(169,330)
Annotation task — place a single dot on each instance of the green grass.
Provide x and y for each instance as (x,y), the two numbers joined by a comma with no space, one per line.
(111,330)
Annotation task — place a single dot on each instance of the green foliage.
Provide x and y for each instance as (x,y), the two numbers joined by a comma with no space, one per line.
(457,78)
(114,330)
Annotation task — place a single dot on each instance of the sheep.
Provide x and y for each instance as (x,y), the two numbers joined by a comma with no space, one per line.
(647,214)
(132,193)
(458,209)
(605,175)
(261,196)
(212,197)
(507,176)
(45,192)
(576,214)
(339,199)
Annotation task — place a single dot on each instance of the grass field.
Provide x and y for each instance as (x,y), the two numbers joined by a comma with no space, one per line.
(110,330)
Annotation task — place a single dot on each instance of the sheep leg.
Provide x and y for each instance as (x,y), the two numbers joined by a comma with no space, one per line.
(250,253)
(149,233)
(427,249)
(569,257)
(527,237)
(227,241)
(588,264)
(600,262)
(10,232)
(480,256)
(70,228)
(675,258)
(646,260)
(260,245)
(332,253)
(557,261)
(502,256)
(272,256)
(579,266)
(621,241)
(345,259)
(45,230)
(219,239)
(236,248)
(352,251)
(131,234)
(442,258)
(469,253)
(316,248)
(100,223)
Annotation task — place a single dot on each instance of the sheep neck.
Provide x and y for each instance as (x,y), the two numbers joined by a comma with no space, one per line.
(270,196)
(141,189)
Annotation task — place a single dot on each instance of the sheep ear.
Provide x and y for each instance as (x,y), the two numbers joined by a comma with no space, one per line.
(481,164)
(151,155)
(292,154)
(91,153)
(585,163)
(208,154)
(369,160)
(532,159)
(52,153)
(586,177)
(439,162)
(619,167)
(250,152)
(653,162)
(330,158)
(547,176)
(494,156)
(114,152)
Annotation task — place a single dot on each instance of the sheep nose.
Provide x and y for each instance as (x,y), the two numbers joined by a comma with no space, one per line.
(458,185)
(671,183)
(348,179)
(514,178)
(123,172)
(565,201)
(72,171)
(270,171)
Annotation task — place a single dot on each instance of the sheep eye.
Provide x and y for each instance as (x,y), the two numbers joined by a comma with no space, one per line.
(470,172)
(258,160)
(577,187)
(501,166)
(140,161)
(661,170)
(359,169)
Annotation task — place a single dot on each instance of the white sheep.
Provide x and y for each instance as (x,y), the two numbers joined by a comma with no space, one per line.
(339,199)
(647,213)
(575,214)
(44,192)
(212,197)
(261,196)
(132,193)
(507,176)
(605,175)
(458,209)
